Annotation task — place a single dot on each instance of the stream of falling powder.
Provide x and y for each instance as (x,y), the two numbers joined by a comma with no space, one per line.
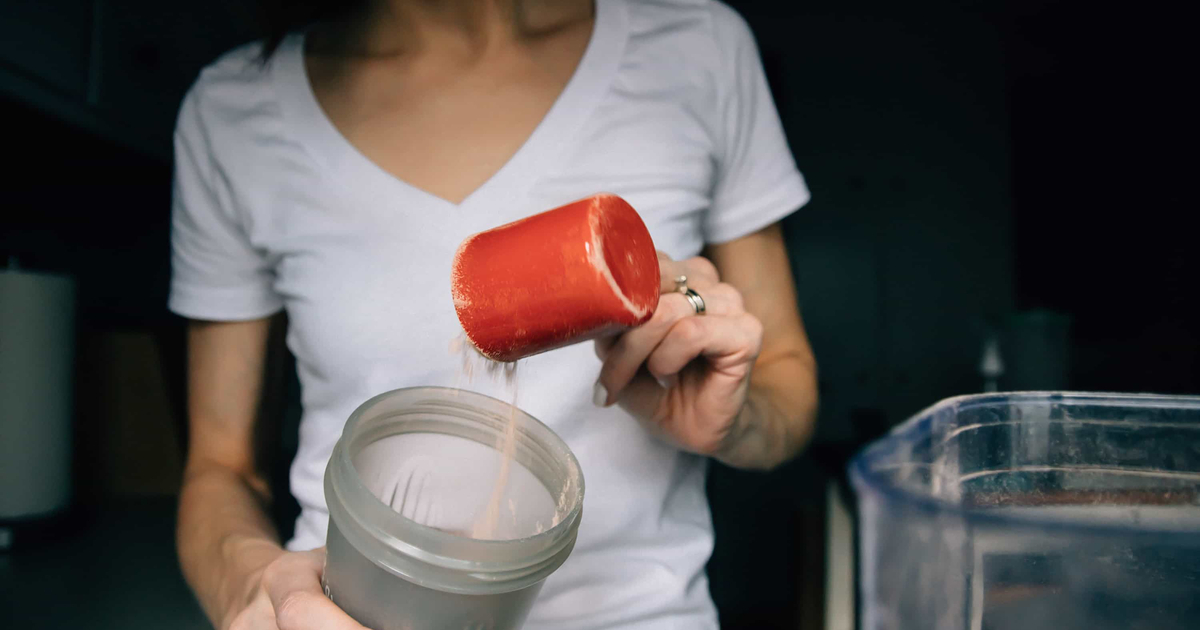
(487,526)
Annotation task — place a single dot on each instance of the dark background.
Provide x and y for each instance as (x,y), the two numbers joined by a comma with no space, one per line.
(978,168)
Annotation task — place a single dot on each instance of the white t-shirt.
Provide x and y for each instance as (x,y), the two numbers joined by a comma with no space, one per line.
(273,209)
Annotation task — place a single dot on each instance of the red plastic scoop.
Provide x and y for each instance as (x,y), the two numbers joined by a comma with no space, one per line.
(566,275)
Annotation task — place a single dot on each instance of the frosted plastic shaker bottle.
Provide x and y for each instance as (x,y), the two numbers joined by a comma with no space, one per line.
(413,469)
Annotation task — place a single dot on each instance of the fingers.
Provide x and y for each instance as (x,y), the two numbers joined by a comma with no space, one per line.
(293,584)
(604,345)
(624,355)
(736,339)
(700,272)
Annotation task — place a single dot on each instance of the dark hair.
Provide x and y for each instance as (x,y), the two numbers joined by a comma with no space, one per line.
(281,17)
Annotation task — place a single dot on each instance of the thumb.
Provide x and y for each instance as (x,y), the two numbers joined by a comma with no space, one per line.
(293,584)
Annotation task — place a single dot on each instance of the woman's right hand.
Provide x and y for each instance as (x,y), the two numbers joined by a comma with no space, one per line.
(288,596)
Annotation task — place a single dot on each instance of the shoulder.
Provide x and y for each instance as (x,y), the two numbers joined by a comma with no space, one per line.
(229,94)
(235,75)
(729,27)
(245,62)
(711,18)
(706,35)
(231,120)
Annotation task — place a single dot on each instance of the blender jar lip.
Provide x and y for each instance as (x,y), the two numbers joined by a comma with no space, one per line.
(402,545)
(868,479)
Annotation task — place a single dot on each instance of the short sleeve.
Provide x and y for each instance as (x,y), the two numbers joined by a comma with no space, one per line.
(216,273)
(757,180)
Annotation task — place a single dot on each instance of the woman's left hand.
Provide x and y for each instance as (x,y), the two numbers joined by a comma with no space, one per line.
(686,375)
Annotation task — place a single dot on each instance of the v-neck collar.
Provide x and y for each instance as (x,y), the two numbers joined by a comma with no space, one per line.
(344,162)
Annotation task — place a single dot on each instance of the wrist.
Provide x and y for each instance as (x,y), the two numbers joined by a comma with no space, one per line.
(746,444)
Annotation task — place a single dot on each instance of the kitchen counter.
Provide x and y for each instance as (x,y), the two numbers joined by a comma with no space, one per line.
(118,570)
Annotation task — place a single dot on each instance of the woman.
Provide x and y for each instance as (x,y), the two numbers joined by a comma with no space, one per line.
(332,172)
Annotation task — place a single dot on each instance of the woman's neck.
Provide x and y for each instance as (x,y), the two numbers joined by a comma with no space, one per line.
(463,27)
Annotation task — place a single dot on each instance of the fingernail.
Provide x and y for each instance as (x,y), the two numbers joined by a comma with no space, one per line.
(599,395)
(667,382)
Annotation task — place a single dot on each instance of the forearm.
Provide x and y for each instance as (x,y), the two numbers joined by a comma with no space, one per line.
(779,416)
(225,538)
